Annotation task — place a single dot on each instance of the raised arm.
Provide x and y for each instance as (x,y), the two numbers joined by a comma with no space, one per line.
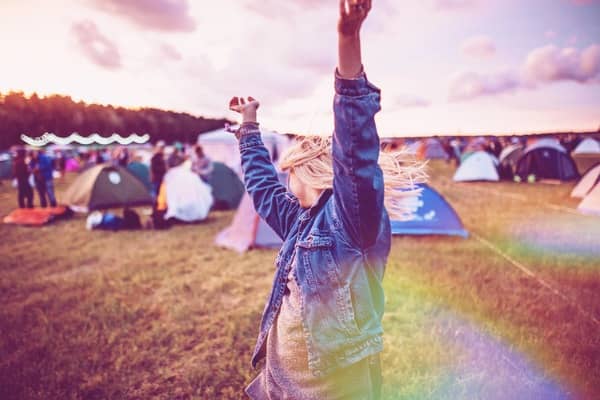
(271,199)
(358,180)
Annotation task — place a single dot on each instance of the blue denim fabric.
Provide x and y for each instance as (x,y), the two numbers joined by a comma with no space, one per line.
(339,246)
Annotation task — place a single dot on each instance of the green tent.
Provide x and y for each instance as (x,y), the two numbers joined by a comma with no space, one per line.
(106,186)
(142,172)
(227,187)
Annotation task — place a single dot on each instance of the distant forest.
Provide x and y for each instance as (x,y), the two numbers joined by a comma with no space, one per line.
(62,116)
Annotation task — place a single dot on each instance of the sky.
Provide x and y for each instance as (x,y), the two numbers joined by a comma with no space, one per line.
(444,66)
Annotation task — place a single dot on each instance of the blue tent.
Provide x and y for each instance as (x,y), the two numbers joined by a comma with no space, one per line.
(433,217)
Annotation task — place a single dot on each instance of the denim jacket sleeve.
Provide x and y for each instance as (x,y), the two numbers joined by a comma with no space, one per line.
(272,201)
(358,180)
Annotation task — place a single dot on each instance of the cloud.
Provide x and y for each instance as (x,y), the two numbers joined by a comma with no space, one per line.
(453,5)
(479,47)
(470,85)
(552,64)
(170,52)
(542,66)
(410,101)
(95,46)
(583,2)
(161,15)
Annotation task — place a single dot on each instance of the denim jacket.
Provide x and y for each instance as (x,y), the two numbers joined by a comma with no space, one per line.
(339,246)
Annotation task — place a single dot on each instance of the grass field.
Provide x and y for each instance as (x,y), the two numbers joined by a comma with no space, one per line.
(509,313)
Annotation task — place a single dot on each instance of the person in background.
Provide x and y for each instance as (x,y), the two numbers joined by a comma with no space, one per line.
(176,157)
(158,167)
(21,174)
(201,164)
(43,167)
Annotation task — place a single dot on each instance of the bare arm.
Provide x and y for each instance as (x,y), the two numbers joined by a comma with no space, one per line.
(352,15)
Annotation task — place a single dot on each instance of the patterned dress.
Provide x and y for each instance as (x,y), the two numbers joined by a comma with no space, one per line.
(286,374)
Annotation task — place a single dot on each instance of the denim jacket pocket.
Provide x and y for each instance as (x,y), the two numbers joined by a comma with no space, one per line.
(323,279)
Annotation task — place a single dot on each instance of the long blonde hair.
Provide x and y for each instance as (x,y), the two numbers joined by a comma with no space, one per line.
(311,161)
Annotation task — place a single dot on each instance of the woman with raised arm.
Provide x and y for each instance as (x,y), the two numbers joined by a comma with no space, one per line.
(321,333)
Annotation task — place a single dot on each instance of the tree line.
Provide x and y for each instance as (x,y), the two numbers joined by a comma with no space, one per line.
(61,115)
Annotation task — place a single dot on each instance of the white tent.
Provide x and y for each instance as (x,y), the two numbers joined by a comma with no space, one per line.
(189,199)
(587,183)
(591,202)
(480,166)
(587,146)
(221,145)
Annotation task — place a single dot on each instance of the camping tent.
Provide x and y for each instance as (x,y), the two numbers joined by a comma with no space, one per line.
(587,183)
(480,166)
(227,188)
(509,157)
(591,202)
(588,146)
(433,217)
(106,186)
(247,230)
(142,172)
(546,160)
(222,146)
(5,166)
(432,149)
(189,199)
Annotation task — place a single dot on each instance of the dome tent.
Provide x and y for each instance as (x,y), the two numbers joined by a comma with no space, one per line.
(509,157)
(480,166)
(591,202)
(434,216)
(546,160)
(227,188)
(587,146)
(587,183)
(106,186)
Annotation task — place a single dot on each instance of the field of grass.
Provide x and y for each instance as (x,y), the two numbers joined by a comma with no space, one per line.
(511,312)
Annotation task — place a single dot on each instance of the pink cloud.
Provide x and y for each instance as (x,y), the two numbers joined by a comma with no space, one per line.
(542,66)
(551,64)
(170,52)
(162,15)
(452,5)
(479,47)
(410,101)
(95,46)
(470,85)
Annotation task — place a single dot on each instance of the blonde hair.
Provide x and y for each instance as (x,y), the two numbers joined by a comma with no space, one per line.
(311,161)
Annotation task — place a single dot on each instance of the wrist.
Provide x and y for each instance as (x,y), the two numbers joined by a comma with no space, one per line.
(249,117)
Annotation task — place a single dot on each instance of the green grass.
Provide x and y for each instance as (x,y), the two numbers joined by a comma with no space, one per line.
(166,314)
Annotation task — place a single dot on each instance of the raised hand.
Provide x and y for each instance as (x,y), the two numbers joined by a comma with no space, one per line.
(352,15)
(246,107)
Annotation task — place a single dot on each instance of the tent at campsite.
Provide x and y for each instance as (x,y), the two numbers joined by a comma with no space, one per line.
(189,199)
(431,149)
(587,183)
(5,166)
(480,166)
(587,146)
(227,188)
(248,230)
(142,172)
(586,154)
(106,186)
(509,157)
(435,216)
(546,159)
(591,202)
(222,146)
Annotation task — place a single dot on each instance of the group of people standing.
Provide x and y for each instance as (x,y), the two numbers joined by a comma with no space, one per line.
(37,168)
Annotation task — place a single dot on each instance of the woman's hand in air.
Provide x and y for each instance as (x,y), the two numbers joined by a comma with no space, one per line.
(246,107)
(352,15)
